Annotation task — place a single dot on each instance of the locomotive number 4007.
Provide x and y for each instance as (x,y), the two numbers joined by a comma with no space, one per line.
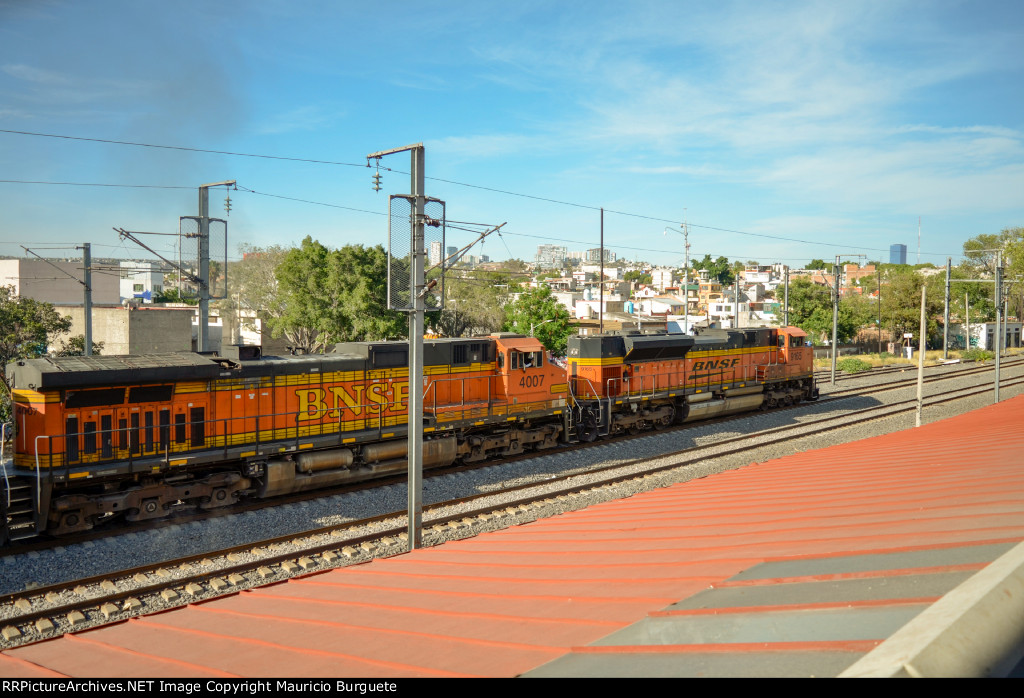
(531,381)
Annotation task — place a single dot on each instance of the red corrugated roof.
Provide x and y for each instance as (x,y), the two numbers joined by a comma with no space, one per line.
(502,603)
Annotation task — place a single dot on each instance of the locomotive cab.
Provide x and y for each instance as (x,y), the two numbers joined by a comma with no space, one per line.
(526,374)
(793,349)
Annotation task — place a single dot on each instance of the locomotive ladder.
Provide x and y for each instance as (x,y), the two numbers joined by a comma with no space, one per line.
(17,506)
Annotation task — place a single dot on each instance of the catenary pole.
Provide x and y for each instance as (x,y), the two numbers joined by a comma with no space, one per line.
(785,310)
(920,364)
(600,281)
(835,315)
(87,263)
(945,314)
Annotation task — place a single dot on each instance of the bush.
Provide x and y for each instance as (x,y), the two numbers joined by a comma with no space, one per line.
(975,355)
(853,365)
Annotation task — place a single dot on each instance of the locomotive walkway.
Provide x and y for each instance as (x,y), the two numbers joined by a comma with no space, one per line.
(800,566)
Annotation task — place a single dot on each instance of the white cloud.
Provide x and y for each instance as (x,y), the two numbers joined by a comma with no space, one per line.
(306,118)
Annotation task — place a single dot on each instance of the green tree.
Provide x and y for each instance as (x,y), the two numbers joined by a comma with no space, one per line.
(818,264)
(810,309)
(639,276)
(216,277)
(718,268)
(901,301)
(474,305)
(173,295)
(252,284)
(359,277)
(75,346)
(327,296)
(980,257)
(27,327)
(538,312)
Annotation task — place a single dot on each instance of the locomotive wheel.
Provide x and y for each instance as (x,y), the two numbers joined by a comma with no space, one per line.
(665,421)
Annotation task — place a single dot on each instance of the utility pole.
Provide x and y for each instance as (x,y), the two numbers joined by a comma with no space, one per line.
(87,285)
(416,313)
(879,309)
(785,310)
(736,298)
(600,306)
(920,363)
(945,315)
(919,239)
(998,304)
(967,322)
(87,263)
(835,315)
(686,274)
(203,336)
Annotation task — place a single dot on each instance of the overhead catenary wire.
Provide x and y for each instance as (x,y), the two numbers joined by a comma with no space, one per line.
(437,179)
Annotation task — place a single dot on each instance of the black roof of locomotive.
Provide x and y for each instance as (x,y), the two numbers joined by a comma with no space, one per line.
(54,373)
(49,373)
(634,346)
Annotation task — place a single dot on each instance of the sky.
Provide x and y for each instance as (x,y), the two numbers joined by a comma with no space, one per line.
(777,131)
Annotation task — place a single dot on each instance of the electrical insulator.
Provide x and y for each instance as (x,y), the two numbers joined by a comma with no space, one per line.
(376,181)
(227,204)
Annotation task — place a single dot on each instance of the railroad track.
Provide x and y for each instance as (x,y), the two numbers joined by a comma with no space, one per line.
(896,385)
(47,612)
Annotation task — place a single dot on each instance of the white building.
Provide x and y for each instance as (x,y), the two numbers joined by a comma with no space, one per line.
(551,256)
(983,335)
(663,278)
(658,305)
(141,280)
(757,275)
(435,254)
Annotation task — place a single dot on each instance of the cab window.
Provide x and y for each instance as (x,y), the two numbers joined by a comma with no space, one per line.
(795,342)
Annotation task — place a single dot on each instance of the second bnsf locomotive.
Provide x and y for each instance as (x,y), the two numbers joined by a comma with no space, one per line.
(98,438)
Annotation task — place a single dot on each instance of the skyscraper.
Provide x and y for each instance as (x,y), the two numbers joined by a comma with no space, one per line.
(897,254)
(550,256)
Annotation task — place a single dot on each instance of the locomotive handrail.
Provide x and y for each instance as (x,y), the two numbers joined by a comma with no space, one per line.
(432,392)
(39,472)
(211,435)
(572,388)
(7,482)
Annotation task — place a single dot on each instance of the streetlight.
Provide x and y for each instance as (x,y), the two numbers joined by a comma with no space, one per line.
(686,271)
(535,325)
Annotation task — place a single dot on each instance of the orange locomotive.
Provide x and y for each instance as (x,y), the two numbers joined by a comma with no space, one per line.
(634,381)
(140,436)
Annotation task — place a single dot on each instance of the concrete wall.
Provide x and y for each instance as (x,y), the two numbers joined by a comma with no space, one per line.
(133,330)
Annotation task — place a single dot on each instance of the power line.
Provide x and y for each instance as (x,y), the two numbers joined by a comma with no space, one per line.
(308,201)
(95,184)
(184,148)
(437,179)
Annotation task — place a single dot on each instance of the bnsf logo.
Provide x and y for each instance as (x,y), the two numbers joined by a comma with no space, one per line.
(717,363)
(353,399)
